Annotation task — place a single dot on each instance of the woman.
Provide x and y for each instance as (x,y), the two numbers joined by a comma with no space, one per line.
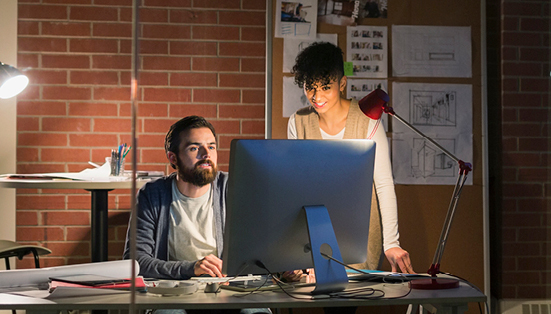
(319,70)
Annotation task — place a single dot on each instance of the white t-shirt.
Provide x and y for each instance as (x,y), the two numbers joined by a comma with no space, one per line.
(191,234)
(382,177)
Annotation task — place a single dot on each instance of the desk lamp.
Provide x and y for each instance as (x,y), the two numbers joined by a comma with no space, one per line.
(373,105)
(12,82)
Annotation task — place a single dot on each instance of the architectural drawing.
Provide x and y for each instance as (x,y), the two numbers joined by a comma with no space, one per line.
(296,19)
(432,108)
(429,161)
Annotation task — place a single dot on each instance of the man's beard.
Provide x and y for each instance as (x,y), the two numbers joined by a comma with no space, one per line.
(196,175)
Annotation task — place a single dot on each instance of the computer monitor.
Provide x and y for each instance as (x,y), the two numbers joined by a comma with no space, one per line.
(270,183)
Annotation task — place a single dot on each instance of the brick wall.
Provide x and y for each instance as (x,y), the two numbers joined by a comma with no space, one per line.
(525,106)
(204,57)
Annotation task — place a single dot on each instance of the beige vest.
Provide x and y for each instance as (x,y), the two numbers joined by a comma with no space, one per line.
(307,124)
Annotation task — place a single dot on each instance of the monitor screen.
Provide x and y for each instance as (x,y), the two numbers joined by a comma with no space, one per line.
(270,181)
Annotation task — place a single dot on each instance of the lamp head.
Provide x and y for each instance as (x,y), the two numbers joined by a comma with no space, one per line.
(373,104)
(12,82)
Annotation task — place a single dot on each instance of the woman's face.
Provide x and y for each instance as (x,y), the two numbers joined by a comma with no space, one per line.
(325,97)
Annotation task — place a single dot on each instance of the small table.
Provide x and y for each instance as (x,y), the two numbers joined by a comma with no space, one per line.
(99,207)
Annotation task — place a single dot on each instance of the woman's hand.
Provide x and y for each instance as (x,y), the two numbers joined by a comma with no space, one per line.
(210,265)
(399,258)
(290,276)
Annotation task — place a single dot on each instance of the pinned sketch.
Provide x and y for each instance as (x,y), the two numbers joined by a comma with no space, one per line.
(359,88)
(442,112)
(367,48)
(293,97)
(431,51)
(350,12)
(296,19)
(293,46)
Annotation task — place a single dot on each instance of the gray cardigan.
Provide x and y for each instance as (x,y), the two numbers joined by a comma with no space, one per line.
(153,212)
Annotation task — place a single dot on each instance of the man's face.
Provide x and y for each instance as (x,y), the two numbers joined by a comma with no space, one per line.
(196,161)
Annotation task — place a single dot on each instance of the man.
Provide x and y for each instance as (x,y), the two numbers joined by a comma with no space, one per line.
(181,217)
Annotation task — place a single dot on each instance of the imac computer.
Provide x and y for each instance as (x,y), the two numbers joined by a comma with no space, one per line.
(290,200)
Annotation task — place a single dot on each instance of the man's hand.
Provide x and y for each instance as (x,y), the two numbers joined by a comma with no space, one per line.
(398,257)
(210,265)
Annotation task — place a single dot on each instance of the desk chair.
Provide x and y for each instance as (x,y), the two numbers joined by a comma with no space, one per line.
(13,249)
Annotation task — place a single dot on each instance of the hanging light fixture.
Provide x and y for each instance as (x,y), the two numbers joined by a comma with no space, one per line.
(12,82)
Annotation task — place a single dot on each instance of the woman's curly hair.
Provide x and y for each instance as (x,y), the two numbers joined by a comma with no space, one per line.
(321,62)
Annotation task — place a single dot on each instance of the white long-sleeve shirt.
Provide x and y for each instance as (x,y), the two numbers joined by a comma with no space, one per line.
(382,178)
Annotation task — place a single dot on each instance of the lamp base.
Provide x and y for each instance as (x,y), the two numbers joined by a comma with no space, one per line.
(434,283)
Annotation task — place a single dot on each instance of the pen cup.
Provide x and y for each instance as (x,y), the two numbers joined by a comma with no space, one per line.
(117,166)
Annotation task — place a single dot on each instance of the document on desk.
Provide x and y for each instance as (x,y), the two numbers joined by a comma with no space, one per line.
(39,277)
(101,173)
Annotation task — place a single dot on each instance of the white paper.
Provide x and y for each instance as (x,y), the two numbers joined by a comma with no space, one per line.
(296,19)
(359,88)
(443,112)
(39,277)
(101,174)
(293,46)
(293,97)
(367,49)
(431,51)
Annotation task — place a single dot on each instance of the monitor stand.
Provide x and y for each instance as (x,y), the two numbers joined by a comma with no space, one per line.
(330,275)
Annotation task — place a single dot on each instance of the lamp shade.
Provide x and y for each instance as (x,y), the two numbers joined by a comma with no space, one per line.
(372,104)
(12,82)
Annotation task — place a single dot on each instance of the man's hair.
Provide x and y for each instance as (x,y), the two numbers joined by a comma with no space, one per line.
(321,62)
(173,140)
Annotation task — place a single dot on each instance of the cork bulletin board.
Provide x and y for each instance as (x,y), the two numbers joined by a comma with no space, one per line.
(422,208)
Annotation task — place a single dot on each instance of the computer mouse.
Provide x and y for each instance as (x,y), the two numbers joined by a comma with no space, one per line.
(212,287)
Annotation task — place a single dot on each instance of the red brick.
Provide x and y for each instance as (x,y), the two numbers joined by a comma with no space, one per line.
(68,1)
(94,77)
(521,39)
(27,154)
(194,79)
(521,8)
(510,23)
(253,33)
(216,95)
(521,278)
(69,248)
(254,96)
(153,46)
(510,84)
(168,3)
(532,292)
(66,29)
(31,92)
(27,28)
(533,205)
(41,139)
(92,109)
(522,190)
(533,144)
(510,53)
(152,78)
(46,77)
(40,168)
(180,111)
(242,18)
(111,62)
(540,85)
(112,93)
(66,92)
(92,140)
(153,110)
(93,45)
(149,15)
(40,202)
(215,4)
(41,44)
(226,126)
(213,64)
(78,202)
(521,69)
(523,129)
(167,63)
(534,24)
(125,15)
(242,111)
(41,11)
(152,140)
(112,125)
(114,2)
(26,218)
(66,125)
(193,48)
(166,31)
(533,175)
(112,30)
(253,127)
(158,125)
(39,234)
(65,61)
(242,80)
(242,49)
(89,13)
(167,94)
(41,108)
(534,54)
(215,32)
(65,155)
(27,60)
(516,99)
(154,156)
(193,17)
(253,5)
(78,233)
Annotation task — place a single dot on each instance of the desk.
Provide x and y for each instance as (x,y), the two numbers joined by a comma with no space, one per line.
(446,301)
(99,207)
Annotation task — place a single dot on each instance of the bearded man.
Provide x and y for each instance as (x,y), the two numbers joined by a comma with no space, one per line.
(181,217)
